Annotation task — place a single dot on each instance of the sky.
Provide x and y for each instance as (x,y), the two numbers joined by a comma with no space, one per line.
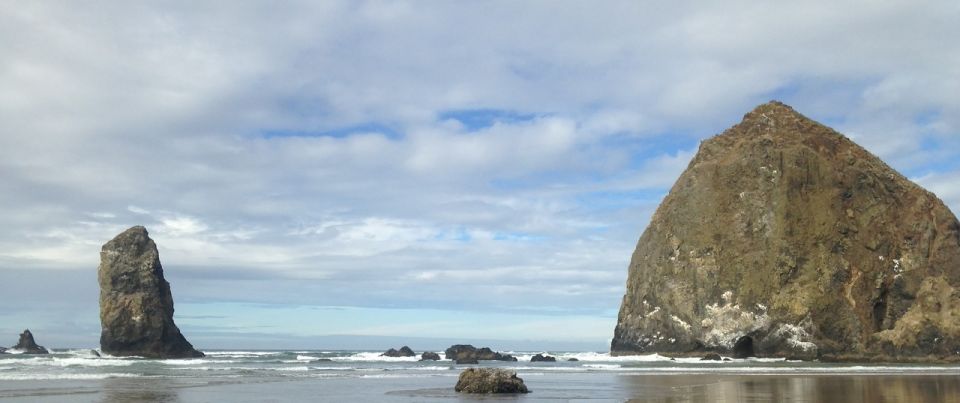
(329,174)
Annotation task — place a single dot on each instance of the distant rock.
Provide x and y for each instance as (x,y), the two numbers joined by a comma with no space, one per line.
(543,358)
(784,238)
(712,357)
(572,359)
(322,360)
(466,351)
(463,361)
(402,352)
(490,380)
(136,306)
(429,356)
(3,350)
(95,353)
(28,345)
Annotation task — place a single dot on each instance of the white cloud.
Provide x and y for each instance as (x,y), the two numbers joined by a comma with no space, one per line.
(313,140)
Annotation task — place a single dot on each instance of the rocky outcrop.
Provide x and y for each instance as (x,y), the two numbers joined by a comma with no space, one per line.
(783,238)
(402,352)
(468,352)
(3,350)
(27,345)
(543,358)
(490,380)
(136,307)
(429,356)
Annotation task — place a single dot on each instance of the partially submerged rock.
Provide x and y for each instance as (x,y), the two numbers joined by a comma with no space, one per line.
(490,380)
(402,352)
(468,352)
(543,358)
(136,306)
(429,356)
(3,350)
(711,357)
(27,345)
(783,238)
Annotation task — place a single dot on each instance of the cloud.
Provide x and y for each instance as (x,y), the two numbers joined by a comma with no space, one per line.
(478,157)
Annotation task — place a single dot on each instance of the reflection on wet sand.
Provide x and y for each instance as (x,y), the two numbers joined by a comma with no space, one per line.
(812,388)
(135,391)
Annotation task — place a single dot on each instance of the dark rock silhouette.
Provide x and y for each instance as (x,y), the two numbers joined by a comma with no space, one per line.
(572,359)
(136,306)
(28,345)
(489,380)
(467,352)
(543,358)
(783,238)
(403,352)
(429,356)
(711,357)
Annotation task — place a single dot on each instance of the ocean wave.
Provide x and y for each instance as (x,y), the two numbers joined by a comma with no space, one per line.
(48,377)
(242,354)
(373,356)
(69,362)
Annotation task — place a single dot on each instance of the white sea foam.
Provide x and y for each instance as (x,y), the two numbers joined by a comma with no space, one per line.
(45,377)
(193,361)
(373,356)
(241,354)
(306,358)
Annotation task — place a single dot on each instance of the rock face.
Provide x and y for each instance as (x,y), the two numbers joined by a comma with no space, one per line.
(403,352)
(467,353)
(136,307)
(783,238)
(490,380)
(429,356)
(28,345)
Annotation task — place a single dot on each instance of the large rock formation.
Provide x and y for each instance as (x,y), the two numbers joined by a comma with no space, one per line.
(136,307)
(490,380)
(783,238)
(27,345)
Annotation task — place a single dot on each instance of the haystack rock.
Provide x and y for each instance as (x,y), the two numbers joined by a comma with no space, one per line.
(783,238)
(28,345)
(136,307)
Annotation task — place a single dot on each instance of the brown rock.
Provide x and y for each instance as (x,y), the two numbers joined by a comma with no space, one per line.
(784,238)
(490,380)
(136,306)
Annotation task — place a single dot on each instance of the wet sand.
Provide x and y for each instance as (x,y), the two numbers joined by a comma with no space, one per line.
(593,387)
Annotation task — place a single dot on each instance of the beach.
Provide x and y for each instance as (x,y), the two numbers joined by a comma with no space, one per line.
(306,375)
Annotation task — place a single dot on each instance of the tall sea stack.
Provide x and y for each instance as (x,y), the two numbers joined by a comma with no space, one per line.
(783,238)
(136,307)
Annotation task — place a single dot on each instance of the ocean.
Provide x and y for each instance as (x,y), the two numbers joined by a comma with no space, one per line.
(363,376)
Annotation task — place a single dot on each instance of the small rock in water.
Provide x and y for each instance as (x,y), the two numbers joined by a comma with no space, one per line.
(403,352)
(711,357)
(3,350)
(429,356)
(466,351)
(28,345)
(572,359)
(543,358)
(94,353)
(490,380)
